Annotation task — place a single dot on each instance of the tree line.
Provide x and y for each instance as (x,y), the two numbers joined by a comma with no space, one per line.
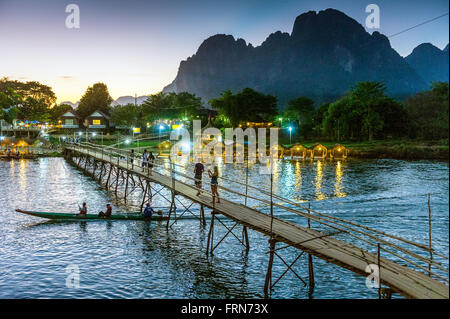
(33,101)
(365,112)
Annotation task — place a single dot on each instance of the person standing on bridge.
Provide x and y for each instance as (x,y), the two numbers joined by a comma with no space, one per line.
(151,161)
(214,183)
(144,160)
(198,172)
(132,159)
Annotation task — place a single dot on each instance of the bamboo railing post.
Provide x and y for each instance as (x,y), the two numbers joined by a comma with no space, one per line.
(245,235)
(379,272)
(202,213)
(429,234)
(310,260)
(271,198)
(209,242)
(246,182)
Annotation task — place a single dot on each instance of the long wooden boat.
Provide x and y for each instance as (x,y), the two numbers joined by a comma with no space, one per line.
(66,216)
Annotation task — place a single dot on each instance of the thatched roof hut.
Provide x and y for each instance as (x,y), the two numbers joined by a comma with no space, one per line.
(338,151)
(297,150)
(318,150)
(164,148)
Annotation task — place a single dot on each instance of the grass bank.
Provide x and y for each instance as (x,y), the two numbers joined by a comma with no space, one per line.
(395,149)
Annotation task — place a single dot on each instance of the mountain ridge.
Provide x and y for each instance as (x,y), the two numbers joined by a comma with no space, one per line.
(326,53)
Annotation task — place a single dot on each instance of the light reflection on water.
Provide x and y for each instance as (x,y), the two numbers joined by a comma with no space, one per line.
(138,259)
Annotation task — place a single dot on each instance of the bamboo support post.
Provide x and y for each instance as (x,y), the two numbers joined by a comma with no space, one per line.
(429,235)
(268,282)
(310,259)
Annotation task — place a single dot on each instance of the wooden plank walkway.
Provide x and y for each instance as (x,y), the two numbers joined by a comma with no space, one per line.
(406,281)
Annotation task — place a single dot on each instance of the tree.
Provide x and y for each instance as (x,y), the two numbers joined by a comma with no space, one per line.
(247,105)
(183,105)
(59,110)
(429,112)
(96,98)
(302,110)
(32,109)
(154,106)
(126,115)
(318,118)
(364,113)
(32,89)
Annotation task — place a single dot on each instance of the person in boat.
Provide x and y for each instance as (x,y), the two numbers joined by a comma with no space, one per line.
(151,161)
(148,211)
(108,212)
(198,172)
(214,183)
(83,210)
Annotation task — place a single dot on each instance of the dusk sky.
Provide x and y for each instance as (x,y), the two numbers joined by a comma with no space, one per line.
(136,46)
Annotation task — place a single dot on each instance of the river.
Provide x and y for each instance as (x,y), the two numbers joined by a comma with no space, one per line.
(136,259)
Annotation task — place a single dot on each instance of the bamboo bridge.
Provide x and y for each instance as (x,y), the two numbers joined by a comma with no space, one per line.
(409,273)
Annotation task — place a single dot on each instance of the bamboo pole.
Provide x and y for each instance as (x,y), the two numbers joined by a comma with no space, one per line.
(379,272)
(310,259)
(268,282)
(429,234)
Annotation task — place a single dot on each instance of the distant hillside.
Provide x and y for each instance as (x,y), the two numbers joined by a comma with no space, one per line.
(323,56)
(123,100)
(429,62)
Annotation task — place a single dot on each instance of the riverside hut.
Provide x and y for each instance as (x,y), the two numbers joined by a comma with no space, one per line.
(297,150)
(338,151)
(318,150)
(276,149)
(164,148)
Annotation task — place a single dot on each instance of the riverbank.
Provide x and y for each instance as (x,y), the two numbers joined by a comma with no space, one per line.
(393,149)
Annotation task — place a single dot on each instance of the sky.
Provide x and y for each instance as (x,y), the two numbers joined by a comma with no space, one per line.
(135,47)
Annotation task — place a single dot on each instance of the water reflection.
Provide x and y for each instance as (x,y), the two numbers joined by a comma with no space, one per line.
(320,195)
(338,185)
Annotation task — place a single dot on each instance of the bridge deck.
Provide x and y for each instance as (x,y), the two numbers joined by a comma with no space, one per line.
(406,281)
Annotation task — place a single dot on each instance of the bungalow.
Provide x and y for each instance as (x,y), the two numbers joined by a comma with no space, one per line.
(69,120)
(97,120)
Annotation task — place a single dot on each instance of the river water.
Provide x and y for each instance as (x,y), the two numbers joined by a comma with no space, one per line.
(136,259)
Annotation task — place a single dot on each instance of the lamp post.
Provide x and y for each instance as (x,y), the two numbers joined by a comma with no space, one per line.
(290,134)
(281,122)
(160,128)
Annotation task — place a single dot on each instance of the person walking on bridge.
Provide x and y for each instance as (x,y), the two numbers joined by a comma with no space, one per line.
(151,162)
(214,183)
(132,159)
(144,160)
(198,172)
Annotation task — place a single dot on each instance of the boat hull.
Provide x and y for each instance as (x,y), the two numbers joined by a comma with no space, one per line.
(65,216)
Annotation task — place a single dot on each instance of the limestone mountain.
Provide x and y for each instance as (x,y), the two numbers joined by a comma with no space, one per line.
(429,62)
(324,55)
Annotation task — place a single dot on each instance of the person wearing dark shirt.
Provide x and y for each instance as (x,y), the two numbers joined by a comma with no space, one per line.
(198,171)
(151,161)
(108,212)
(148,211)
